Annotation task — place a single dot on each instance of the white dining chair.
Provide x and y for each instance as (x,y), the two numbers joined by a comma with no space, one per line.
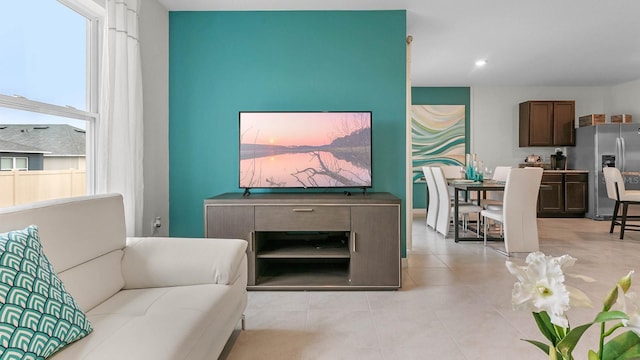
(452,171)
(518,213)
(494,198)
(432,208)
(617,192)
(445,208)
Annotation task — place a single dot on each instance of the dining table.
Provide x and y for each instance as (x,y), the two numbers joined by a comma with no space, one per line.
(463,186)
(481,188)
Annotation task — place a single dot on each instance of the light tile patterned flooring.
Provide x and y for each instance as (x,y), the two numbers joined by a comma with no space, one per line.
(455,303)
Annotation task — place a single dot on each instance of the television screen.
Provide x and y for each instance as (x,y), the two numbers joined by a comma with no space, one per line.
(305,149)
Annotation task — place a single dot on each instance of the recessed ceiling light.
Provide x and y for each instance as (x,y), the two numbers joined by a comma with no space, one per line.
(481,62)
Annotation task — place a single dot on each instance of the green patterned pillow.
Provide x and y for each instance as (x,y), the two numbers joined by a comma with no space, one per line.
(37,314)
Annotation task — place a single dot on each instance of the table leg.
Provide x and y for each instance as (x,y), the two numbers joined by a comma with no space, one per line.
(456,197)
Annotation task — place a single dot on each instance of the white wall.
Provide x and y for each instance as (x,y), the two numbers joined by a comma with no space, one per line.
(625,99)
(154,49)
(494,118)
(494,113)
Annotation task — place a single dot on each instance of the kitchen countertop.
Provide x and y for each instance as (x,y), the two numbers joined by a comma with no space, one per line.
(566,171)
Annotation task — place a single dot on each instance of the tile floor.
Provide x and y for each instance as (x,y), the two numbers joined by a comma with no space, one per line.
(455,303)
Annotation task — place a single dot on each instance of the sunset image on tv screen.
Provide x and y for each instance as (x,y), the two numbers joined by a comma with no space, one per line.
(305,149)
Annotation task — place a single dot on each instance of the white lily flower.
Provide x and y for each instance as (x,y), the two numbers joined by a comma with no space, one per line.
(578,298)
(631,306)
(540,286)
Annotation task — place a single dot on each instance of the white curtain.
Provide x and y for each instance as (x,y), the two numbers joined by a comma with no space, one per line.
(119,145)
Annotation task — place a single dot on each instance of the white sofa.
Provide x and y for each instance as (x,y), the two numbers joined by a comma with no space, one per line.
(146,298)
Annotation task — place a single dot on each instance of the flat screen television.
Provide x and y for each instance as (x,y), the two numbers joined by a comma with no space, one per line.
(327,149)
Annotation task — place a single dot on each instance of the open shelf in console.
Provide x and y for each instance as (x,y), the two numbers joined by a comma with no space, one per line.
(309,258)
(302,244)
(311,273)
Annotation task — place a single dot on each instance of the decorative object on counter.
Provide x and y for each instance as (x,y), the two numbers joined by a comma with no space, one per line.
(592,119)
(623,118)
(474,168)
(558,161)
(470,171)
(531,161)
(533,158)
(488,173)
(478,170)
(541,289)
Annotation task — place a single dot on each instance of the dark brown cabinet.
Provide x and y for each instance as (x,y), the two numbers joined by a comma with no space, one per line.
(564,195)
(551,197)
(547,123)
(312,241)
(575,193)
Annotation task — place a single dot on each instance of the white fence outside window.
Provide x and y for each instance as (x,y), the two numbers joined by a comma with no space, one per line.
(20,187)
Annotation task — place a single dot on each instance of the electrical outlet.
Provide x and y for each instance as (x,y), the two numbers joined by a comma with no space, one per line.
(157,222)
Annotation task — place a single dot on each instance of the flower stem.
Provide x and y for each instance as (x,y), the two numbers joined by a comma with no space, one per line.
(604,334)
(613,328)
(600,350)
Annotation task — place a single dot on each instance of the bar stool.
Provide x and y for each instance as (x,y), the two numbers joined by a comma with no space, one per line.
(616,191)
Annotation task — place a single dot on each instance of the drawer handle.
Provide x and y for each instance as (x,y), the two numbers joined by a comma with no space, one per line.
(302,210)
(353,241)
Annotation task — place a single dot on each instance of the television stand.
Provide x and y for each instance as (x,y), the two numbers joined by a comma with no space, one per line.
(318,241)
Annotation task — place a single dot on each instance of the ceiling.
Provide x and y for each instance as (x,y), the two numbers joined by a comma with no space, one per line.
(525,43)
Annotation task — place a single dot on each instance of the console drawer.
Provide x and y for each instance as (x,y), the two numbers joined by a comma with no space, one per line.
(302,218)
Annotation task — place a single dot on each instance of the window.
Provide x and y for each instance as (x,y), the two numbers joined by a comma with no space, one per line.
(48,95)
(14,163)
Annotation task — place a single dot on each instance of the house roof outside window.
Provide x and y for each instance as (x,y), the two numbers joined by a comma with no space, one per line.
(50,140)
(12,147)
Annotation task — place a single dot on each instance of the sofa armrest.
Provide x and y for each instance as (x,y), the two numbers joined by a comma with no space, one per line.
(160,261)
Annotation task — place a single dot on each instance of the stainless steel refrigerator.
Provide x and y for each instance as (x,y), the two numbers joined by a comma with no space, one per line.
(606,145)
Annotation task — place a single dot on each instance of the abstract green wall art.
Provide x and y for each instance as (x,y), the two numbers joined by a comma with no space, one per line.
(437,135)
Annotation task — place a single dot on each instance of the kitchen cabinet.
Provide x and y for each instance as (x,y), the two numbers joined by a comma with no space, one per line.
(547,123)
(575,193)
(564,194)
(551,199)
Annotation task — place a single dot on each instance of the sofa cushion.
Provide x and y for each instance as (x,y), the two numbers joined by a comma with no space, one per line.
(182,322)
(96,280)
(37,314)
(79,228)
(152,262)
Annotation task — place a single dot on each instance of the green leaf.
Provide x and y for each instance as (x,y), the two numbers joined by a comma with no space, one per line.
(546,327)
(566,345)
(569,342)
(542,346)
(610,315)
(593,355)
(625,346)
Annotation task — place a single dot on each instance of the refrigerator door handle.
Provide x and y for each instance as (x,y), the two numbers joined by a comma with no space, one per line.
(623,153)
(618,160)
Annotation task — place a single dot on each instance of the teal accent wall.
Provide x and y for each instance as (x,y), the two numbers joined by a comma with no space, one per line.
(440,96)
(221,63)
